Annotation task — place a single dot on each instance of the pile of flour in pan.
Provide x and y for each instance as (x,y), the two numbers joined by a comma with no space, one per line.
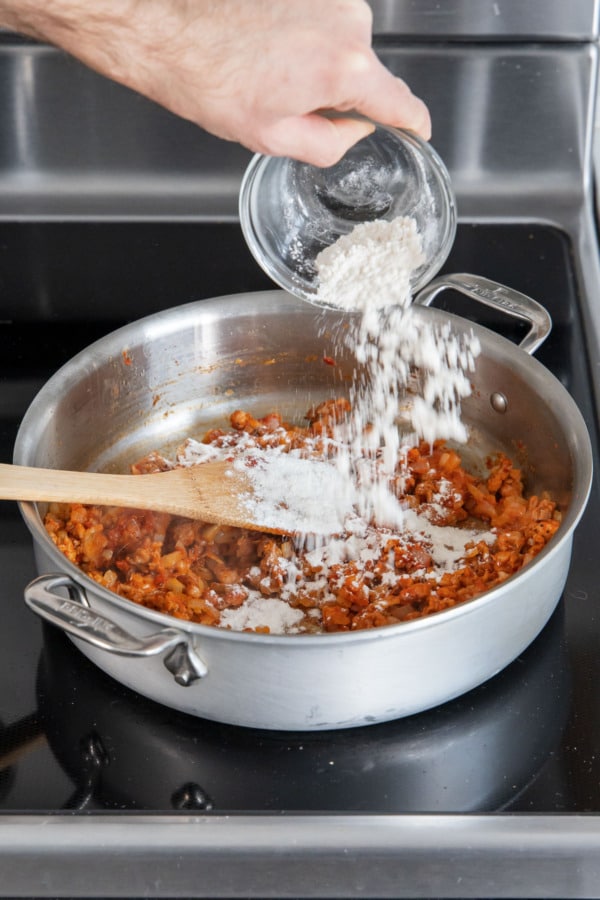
(408,363)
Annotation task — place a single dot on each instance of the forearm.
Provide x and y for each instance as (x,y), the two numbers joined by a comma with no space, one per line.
(254,71)
(63,22)
(168,50)
(94,32)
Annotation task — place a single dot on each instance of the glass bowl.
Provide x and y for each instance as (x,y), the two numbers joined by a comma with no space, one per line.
(290,211)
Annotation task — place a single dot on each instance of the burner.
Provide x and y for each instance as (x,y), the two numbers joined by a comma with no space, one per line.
(125,752)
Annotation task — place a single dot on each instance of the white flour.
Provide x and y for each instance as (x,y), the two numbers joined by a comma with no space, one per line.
(370,268)
(446,545)
(308,496)
(368,272)
(262,612)
(295,494)
(406,364)
(316,565)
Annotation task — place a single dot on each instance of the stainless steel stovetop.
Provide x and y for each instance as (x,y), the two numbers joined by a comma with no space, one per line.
(111,209)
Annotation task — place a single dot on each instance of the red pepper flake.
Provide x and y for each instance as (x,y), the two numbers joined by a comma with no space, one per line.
(126,358)
(329,361)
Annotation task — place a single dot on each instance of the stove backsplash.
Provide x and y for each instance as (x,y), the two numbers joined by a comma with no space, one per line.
(513,120)
(487,19)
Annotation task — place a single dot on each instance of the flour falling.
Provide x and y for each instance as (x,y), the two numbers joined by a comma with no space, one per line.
(416,533)
(409,367)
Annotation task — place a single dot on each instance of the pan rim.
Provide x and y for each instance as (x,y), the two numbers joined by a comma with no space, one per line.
(229,306)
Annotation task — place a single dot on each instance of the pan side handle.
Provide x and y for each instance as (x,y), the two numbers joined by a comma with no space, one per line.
(74,615)
(498,296)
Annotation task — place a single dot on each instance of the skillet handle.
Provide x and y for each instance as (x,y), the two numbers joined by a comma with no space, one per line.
(75,616)
(498,296)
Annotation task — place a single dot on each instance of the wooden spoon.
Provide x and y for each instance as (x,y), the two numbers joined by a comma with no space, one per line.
(279,495)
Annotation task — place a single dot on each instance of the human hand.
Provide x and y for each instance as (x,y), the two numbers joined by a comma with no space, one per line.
(260,72)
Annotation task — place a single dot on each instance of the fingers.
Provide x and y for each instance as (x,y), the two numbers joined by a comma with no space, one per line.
(313,138)
(387,99)
(399,107)
(365,86)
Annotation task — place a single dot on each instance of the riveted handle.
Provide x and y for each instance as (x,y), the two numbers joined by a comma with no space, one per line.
(77,618)
(498,296)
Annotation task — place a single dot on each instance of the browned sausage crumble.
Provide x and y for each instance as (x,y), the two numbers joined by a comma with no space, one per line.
(247,580)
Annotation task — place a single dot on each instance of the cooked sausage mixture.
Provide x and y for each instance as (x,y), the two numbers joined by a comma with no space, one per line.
(464,534)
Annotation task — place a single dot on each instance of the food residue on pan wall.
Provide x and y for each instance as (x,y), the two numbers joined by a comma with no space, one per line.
(423,533)
(463,535)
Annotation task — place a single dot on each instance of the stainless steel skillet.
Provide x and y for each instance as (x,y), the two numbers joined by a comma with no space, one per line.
(161,378)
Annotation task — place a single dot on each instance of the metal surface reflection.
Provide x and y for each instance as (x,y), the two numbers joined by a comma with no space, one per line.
(513,102)
(473,754)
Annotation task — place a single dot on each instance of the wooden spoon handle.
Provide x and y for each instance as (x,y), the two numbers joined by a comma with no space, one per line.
(197,492)
(215,491)
(56,485)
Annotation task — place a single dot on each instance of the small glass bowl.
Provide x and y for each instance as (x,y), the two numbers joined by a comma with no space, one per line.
(290,211)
